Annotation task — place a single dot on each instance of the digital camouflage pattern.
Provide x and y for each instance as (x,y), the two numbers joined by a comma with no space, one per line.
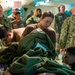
(19,24)
(59,18)
(32,20)
(5,21)
(67,37)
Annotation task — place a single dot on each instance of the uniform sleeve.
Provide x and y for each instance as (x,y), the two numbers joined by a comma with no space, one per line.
(64,34)
(29,21)
(8,22)
(10,25)
(56,24)
(5,21)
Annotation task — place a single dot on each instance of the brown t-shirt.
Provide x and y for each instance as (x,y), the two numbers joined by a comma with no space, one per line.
(16,37)
(49,31)
(17,33)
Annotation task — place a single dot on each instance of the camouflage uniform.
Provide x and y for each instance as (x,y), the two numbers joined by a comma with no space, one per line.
(32,20)
(59,19)
(19,24)
(67,37)
(2,44)
(11,17)
(5,21)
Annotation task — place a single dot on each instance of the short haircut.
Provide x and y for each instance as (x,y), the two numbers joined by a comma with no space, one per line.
(37,9)
(60,6)
(3,31)
(47,14)
(70,50)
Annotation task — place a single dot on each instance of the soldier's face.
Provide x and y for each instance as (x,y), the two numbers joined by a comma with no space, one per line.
(62,8)
(18,16)
(46,22)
